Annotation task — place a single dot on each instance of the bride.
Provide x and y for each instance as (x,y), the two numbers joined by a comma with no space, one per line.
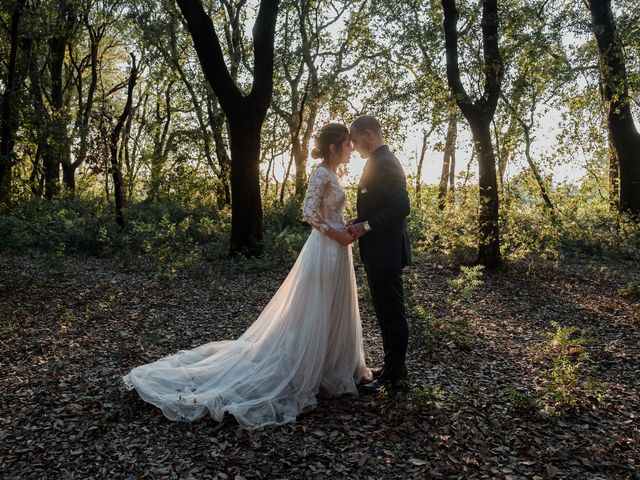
(306,342)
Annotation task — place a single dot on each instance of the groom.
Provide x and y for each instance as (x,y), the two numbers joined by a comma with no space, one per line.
(381,228)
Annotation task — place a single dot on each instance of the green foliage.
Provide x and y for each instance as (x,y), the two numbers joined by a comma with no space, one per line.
(65,226)
(584,224)
(451,233)
(632,288)
(173,235)
(467,282)
(563,361)
(427,397)
(454,327)
(522,400)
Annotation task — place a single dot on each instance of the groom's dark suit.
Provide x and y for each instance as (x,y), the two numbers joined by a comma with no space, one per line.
(383,201)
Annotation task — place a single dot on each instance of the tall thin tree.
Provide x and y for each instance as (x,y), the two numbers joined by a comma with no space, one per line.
(116,164)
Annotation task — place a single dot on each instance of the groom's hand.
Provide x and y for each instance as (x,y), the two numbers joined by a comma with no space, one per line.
(351,222)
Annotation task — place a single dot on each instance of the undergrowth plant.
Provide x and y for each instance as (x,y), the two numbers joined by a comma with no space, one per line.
(563,380)
(453,328)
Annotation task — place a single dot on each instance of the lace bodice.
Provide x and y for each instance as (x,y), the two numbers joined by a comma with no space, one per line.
(325,200)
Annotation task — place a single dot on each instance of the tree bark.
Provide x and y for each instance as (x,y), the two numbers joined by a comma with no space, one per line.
(479,115)
(614,176)
(161,134)
(116,168)
(42,119)
(285,179)
(216,120)
(423,152)
(245,114)
(301,151)
(8,121)
(505,152)
(246,234)
(84,114)
(58,150)
(615,87)
(448,159)
(536,173)
(452,176)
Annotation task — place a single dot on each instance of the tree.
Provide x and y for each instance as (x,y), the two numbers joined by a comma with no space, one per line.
(479,114)
(58,148)
(96,18)
(416,52)
(535,76)
(312,62)
(8,120)
(116,164)
(245,114)
(158,25)
(447,176)
(625,139)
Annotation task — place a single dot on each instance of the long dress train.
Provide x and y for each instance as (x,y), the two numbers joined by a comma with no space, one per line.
(307,340)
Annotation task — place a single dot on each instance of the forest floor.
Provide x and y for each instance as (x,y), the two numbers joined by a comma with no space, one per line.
(480,405)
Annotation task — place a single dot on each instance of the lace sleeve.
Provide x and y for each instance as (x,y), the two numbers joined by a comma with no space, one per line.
(313,199)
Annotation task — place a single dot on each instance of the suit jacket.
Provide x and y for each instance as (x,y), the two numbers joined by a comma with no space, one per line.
(383,201)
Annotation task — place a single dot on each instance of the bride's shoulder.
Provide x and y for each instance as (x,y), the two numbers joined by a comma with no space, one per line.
(320,172)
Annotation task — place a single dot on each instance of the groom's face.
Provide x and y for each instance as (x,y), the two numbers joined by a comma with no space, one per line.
(360,142)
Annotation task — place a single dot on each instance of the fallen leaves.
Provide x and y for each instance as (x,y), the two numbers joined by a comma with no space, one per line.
(71,327)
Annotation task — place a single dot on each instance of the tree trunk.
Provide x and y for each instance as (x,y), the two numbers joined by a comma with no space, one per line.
(615,87)
(116,168)
(614,176)
(160,140)
(536,173)
(246,208)
(300,154)
(507,148)
(245,114)
(69,168)
(58,150)
(41,119)
(35,179)
(489,246)
(448,158)
(267,174)
(216,120)
(8,122)
(423,152)
(452,175)
(225,168)
(285,179)
(479,114)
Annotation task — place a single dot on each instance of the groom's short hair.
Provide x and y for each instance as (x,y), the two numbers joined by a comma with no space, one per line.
(367,122)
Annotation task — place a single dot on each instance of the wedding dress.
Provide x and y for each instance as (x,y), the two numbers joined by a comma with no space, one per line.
(306,342)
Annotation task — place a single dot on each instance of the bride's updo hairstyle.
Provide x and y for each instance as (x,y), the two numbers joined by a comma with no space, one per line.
(329,134)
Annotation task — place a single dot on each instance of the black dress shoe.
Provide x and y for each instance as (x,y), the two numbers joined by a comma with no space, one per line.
(386,385)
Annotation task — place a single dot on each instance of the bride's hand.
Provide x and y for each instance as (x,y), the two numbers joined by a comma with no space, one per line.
(345,238)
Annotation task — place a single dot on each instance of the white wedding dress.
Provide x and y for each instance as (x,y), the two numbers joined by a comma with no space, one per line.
(307,341)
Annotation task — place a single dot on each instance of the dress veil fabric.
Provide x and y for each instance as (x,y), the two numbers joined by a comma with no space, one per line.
(307,341)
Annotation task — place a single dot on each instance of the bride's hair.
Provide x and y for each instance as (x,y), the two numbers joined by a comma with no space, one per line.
(329,134)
